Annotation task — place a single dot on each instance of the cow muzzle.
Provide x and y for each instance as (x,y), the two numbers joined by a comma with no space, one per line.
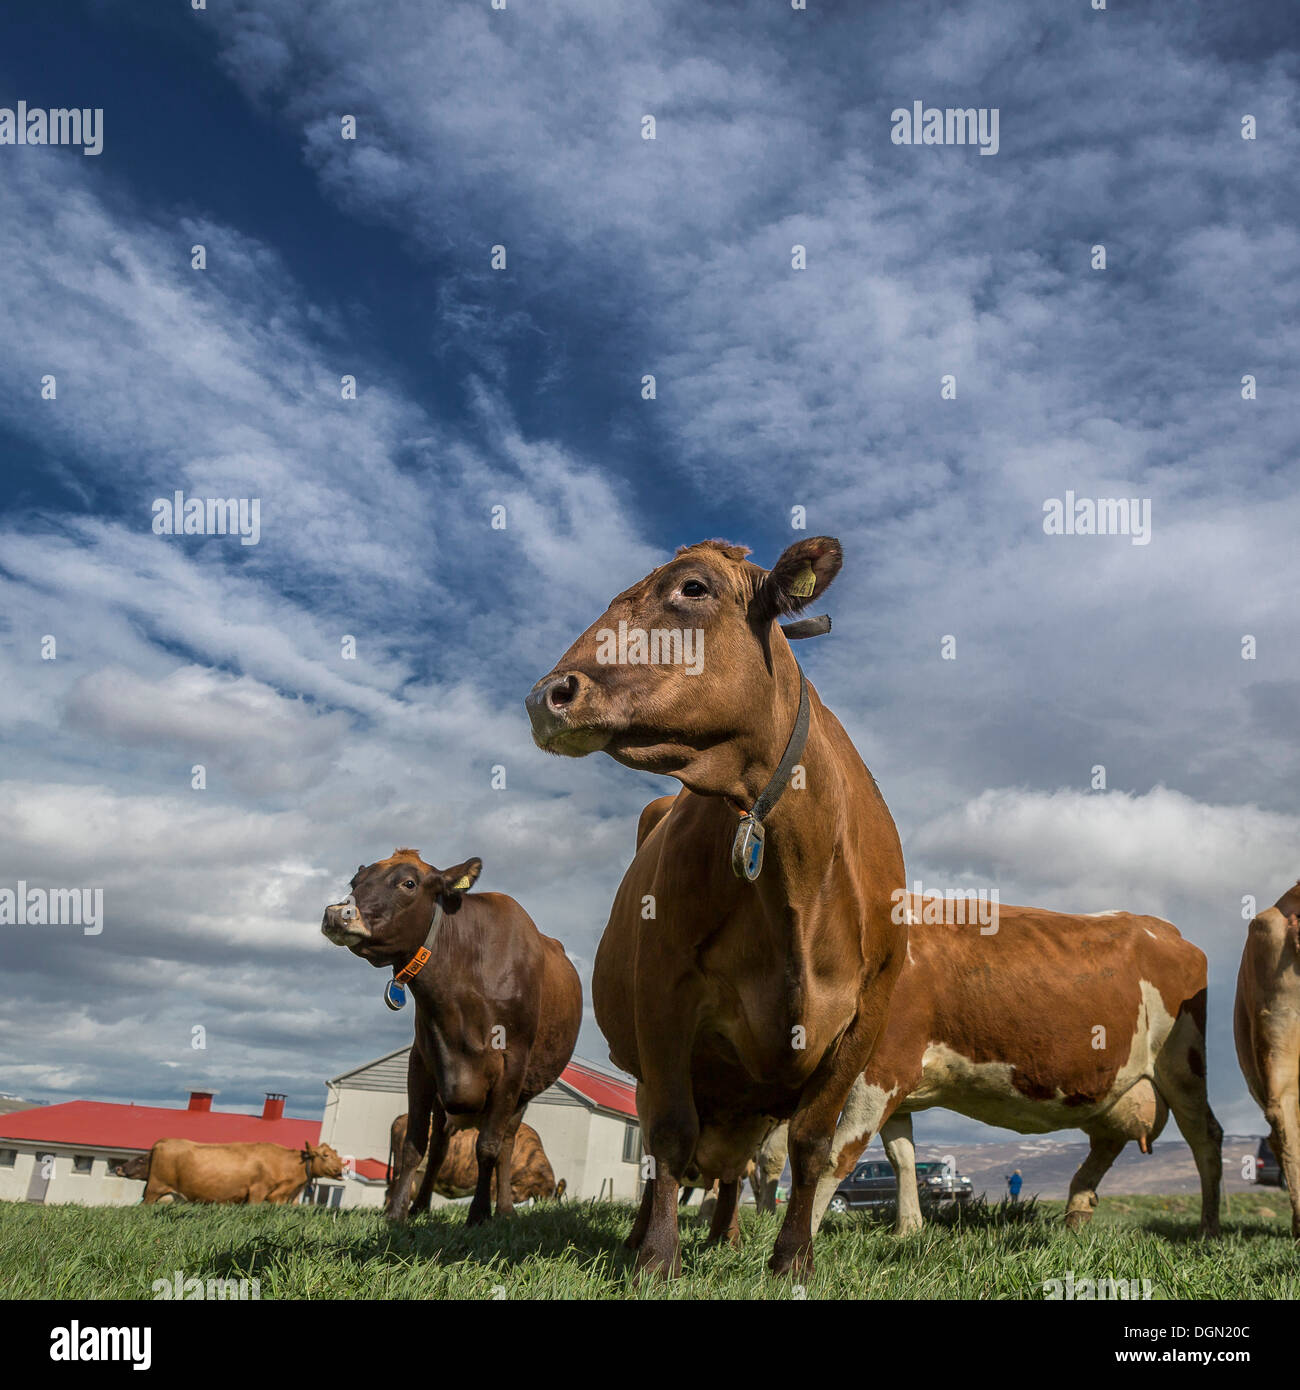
(554,708)
(344,925)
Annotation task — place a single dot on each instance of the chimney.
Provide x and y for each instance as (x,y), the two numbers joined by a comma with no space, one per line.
(200,1100)
(273,1108)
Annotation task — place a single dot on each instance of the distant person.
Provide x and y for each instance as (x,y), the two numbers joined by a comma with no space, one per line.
(1014,1184)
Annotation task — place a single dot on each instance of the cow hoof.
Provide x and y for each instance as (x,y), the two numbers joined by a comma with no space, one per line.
(477,1216)
(652,1265)
(1077,1220)
(798,1265)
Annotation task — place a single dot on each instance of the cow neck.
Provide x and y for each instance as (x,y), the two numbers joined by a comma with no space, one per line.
(420,959)
(747,845)
(748,841)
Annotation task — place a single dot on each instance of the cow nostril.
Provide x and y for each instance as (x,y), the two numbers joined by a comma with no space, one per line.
(562,692)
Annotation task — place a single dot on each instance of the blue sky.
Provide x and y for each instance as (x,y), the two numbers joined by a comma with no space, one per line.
(776,389)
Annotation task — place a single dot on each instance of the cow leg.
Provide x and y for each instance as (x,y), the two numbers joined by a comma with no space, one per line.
(642,1222)
(708,1202)
(725,1226)
(438,1140)
(1104,1150)
(896,1134)
(864,1114)
(813,1125)
(1180,1077)
(496,1120)
(421,1096)
(506,1166)
(771,1162)
(1284,1140)
(1282,1111)
(671,1135)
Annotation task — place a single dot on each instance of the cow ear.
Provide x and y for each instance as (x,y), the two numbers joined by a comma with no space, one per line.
(802,574)
(463,877)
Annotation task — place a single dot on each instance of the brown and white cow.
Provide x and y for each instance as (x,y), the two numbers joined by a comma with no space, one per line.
(497,1012)
(251,1173)
(531,1175)
(1266,1022)
(735,1001)
(1038,1021)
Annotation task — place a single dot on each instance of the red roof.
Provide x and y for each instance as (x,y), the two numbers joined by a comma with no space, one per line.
(609,1092)
(101,1125)
(375,1168)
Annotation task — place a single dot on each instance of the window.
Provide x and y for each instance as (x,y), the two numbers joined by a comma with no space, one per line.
(632,1144)
(82,1163)
(8,1157)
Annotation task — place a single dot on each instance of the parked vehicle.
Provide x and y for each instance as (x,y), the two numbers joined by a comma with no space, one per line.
(1268,1171)
(872,1184)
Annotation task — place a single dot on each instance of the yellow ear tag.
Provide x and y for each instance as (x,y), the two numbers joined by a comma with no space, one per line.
(803,584)
(461,884)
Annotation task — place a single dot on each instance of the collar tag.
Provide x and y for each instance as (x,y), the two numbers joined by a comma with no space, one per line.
(747,848)
(394,996)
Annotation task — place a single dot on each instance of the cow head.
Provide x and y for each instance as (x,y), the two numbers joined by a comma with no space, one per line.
(633,698)
(387,915)
(322,1161)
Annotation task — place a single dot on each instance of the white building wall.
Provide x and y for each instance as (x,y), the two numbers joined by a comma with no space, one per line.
(605,1161)
(97,1188)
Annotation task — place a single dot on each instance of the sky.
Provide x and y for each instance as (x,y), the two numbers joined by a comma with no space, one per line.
(948,360)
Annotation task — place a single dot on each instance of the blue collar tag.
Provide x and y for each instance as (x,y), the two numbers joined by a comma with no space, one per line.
(747,848)
(394,996)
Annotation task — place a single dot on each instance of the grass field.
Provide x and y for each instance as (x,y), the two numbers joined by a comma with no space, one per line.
(575,1252)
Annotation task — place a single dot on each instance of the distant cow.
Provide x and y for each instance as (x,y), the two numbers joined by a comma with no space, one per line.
(137,1168)
(746,968)
(252,1173)
(1047,1022)
(1266,1021)
(497,1011)
(531,1175)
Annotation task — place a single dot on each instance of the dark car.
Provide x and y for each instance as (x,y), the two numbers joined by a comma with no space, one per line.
(872,1184)
(1268,1171)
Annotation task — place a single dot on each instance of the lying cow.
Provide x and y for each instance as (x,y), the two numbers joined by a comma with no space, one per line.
(746,968)
(252,1173)
(497,1011)
(136,1168)
(1266,1021)
(531,1175)
(1047,1022)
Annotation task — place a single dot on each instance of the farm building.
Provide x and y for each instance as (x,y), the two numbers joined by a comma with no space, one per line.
(67,1153)
(586,1121)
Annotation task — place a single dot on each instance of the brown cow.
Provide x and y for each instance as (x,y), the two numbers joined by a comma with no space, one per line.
(531,1174)
(249,1173)
(497,1011)
(1266,1021)
(1039,1021)
(136,1168)
(738,992)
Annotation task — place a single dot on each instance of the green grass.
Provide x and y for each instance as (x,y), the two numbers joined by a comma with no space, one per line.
(576,1251)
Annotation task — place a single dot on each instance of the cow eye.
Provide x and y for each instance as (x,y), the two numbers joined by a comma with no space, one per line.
(410,883)
(693,588)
